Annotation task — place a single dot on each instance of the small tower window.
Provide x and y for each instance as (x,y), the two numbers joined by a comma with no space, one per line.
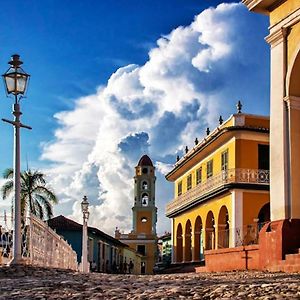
(144,219)
(145,185)
(145,170)
(145,199)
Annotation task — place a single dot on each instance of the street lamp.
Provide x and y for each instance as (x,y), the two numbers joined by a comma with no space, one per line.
(16,81)
(85,214)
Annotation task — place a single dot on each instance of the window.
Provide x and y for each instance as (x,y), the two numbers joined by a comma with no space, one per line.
(189,182)
(198,175)
(224,160)
(263,157)
(144,219)
(179,188)
(209,168)
(141,249)
(145,170)
(144,185)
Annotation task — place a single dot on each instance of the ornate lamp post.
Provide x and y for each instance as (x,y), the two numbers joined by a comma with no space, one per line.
(16,81)
(85,214)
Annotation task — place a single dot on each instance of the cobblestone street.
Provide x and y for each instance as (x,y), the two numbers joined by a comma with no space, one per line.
(31,283)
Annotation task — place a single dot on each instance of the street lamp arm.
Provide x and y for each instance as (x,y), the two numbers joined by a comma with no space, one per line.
(17,124)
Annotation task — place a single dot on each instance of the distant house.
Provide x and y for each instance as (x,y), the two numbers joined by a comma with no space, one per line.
(105,253)
(165,248)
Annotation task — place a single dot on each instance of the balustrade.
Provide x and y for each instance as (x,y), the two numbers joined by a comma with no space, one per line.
(250,176)
(41,245)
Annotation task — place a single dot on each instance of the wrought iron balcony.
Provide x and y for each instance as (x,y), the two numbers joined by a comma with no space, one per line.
(248,176)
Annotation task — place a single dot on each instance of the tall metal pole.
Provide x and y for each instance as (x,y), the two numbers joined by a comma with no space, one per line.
(84,246)
(17,236)
(16,74)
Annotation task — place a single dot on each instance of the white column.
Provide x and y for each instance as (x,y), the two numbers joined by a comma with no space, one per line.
(172,241)
(279,139)
(236,222)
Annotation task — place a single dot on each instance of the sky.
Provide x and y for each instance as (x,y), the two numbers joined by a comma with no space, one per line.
(113,80)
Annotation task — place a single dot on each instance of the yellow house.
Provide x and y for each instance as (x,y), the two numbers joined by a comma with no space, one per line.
(221,188)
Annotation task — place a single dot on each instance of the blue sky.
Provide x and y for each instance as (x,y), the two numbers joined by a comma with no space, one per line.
(110,66)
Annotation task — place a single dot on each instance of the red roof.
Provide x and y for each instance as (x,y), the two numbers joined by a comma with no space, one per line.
(145,161)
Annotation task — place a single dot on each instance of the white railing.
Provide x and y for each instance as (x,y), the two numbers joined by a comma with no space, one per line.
(41,246)
(250,176)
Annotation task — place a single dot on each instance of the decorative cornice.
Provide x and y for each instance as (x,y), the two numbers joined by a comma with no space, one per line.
(292,102)
(277,37)
(210,140)
(262,6)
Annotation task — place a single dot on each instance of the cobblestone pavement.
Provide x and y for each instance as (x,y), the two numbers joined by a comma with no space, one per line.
(32,283)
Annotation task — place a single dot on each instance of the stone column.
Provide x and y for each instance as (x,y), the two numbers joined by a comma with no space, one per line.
(236,223)
(279,139)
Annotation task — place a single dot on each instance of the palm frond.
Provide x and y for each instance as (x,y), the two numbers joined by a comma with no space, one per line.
(7,189)
(47,193)
(47,206)
(8,173)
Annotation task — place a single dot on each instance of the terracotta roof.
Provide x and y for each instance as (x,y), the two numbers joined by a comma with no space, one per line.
(64,224)
(145,161)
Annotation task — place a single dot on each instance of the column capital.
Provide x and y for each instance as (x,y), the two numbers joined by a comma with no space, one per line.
(275,38)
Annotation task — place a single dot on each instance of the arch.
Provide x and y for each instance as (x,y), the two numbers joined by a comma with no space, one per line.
(264,215)
(223,228)
(198,249)
(179,249)
(145,199)
(210,231)
(293,75)
(145,185)
(188,241)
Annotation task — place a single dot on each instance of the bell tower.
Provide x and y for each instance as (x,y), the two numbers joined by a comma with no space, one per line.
(144,210)
(142,238)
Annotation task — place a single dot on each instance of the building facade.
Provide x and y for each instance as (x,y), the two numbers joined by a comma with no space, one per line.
(165,248)
(221,189)
(282,236)
(143,237)
(105,253)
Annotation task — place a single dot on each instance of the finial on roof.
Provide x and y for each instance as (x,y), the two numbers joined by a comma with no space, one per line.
(196,141)
(207,131)
(177,158)
(186,149)
(220,120)
(239,107)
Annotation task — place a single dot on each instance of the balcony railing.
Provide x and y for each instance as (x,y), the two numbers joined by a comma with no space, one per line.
(249,176)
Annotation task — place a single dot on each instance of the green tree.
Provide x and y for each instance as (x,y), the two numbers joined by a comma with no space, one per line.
(36,197)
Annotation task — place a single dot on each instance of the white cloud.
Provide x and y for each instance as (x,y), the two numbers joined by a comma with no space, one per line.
(192,75)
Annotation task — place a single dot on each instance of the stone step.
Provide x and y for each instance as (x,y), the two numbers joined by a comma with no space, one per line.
(291,268)
(293,258)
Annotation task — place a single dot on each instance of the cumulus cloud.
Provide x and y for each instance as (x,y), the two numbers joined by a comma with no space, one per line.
(192,75)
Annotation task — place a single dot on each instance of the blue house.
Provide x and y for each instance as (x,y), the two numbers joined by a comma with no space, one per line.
(105,253)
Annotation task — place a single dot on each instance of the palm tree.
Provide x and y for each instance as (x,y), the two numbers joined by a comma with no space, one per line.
(36,198)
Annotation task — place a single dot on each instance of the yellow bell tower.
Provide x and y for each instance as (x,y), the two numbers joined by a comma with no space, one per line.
(143,237)
(144,210)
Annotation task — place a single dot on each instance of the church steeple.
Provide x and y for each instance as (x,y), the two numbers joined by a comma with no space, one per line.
(144,210)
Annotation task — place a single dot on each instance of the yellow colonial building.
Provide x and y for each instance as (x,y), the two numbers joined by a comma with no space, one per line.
(221,188)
